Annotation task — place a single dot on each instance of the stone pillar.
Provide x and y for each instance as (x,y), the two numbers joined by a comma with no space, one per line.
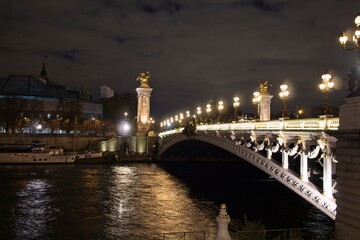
(327,177)
(143,108)
(347,223)
(264,106)
(304,167)
(222,220)
(143,111)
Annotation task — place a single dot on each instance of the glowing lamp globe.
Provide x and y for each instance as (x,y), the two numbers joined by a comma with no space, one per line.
(357,19)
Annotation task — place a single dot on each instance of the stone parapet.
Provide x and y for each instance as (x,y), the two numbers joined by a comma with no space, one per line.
(347,224)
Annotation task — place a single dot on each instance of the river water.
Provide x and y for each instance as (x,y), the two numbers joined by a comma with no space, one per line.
(121,201)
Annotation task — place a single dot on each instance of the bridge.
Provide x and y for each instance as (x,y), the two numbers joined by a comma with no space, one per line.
(270,145)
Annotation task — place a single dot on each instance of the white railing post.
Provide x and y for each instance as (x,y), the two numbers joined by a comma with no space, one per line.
(304,167)
(269,153)
(222,220)
(285,159)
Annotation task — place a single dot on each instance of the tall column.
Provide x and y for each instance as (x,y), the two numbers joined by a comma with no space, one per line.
(143,108)
(304,167)
(264,107)
(327,177)
(347,223)
(264,104)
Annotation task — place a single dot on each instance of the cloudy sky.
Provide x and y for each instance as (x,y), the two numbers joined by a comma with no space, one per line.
(195,50)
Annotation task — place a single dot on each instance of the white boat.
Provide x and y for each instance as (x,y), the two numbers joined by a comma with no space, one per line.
(38,155)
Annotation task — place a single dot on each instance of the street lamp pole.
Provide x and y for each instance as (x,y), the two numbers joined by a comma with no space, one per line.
(284,94)
(220,107)
(208,111)
(236,105)
(256,100)
(198,112)
(325,86)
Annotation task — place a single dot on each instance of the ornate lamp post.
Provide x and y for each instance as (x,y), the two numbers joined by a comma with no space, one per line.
(256,99)
(355,43)
(208,111)
(325,86)
(220,107)
(198,112)
(284,94)
(236,105)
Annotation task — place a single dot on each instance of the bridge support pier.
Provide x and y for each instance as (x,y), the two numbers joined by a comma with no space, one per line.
(304,167)
(285,159)
(347,224)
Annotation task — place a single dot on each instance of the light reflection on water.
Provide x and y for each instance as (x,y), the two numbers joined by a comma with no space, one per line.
(119,202)
(160,201)
(96,202)
(33,210)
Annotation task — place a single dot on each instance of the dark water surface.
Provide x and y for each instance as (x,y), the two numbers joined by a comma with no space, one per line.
(125,200)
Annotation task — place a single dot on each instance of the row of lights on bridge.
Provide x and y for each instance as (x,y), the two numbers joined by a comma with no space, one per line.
(325,86)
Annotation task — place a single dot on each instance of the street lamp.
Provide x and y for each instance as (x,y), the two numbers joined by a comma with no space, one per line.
(198,112)
(236,105)
(298,112)
(125,115)
(208,111)
(94,124)
(220,107)
(325,86)
(284,94)
(256,100)
(355,43)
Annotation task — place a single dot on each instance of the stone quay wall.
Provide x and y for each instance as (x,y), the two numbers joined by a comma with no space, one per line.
(67,142)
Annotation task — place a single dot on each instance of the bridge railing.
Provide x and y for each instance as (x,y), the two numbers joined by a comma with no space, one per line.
(308,124)
(293,124)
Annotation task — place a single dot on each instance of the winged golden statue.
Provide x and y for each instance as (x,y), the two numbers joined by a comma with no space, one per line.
(264,86)
(144,78)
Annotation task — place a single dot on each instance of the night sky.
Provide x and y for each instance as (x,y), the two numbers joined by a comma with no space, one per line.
(195,50)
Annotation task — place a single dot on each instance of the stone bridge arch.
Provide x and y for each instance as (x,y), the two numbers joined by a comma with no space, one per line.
(287,177)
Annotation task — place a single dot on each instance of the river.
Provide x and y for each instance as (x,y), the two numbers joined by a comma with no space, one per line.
(121,201)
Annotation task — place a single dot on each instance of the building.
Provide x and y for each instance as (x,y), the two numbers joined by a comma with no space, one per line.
(36,104)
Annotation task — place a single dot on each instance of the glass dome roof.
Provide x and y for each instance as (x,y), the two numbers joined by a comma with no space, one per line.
(15,85)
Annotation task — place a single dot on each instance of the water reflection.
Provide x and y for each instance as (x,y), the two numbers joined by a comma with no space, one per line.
(32,211)
(116,202)
(153,201)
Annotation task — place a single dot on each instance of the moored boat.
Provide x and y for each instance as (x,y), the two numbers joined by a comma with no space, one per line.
(39,155)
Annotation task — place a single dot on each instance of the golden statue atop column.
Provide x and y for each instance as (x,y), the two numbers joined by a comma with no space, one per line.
(143,109)
(144,79)
(264,86)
